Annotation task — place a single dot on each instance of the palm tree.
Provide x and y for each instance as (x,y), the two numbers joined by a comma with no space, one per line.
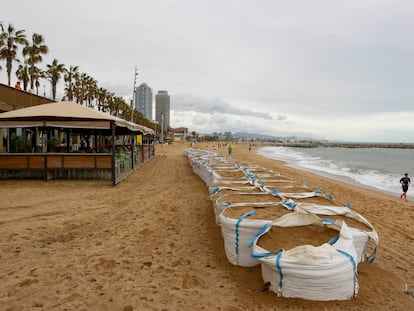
(9,38)
(81,87)
(70,77)
(37,75)
(111,104)
(123,109)
(34,52)
(53,73)
(101,96)
(22,74)
(91,90)
(107,104)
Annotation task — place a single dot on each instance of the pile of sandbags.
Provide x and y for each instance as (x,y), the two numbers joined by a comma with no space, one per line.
(308,245)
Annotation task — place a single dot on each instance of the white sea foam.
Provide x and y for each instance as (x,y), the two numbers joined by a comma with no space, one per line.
(349,164)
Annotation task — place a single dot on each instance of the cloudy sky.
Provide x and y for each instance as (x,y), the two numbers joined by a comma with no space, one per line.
(338,70)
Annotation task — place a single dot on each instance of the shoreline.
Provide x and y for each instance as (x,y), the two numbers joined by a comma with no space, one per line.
(316,173)
(340,178)
(314,144)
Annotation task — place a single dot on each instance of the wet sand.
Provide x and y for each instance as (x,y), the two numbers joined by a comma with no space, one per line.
(152,243)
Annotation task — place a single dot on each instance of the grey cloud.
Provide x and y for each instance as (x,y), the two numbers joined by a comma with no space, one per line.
(196,104)
(118,89)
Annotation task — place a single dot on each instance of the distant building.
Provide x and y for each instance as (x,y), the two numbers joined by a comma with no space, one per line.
(162,109)
(179,133)
(143,100)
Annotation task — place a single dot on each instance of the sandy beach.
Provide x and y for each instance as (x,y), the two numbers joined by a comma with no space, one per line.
(152,243)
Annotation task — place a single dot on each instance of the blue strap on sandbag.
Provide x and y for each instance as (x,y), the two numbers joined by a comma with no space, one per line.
(241,218)
(215,190)
(259,234)
(353,264)
(274,191)
(333,240)
(279,268)
(318,192)
(328,220)
(225,203)
(289,204)
(250,176)
(261,255)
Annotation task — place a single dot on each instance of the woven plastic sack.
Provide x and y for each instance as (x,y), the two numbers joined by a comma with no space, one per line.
(325,272)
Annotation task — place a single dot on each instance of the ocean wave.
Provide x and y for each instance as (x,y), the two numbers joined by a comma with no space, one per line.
(360,172)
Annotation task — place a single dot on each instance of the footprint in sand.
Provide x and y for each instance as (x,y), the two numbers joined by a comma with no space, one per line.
(105,264)
(28,282)
(191,281)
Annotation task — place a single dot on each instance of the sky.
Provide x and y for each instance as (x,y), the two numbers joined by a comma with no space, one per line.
(321,69)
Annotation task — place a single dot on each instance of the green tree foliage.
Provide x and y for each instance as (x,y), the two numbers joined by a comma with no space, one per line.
(54,73)
(34,53)
(9,41)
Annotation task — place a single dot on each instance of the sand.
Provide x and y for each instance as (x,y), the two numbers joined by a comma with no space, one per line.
(151,243)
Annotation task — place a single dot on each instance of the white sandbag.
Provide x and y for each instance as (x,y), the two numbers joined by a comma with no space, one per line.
(360,236)
(325,272)
(285,193)
(216,189)
(237,234)
(222,202)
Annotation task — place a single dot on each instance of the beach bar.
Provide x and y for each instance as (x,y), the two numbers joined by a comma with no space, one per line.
(65,140)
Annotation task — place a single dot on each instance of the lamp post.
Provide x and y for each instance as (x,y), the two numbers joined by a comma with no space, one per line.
(133,95)
(162,128)
(155,131)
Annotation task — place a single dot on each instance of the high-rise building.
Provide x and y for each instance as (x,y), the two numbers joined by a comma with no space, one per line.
(162,109)
(143,100)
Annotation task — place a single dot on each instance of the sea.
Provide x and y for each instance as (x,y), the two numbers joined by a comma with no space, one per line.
(377,168)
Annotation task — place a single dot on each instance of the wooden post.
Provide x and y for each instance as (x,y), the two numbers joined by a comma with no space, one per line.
(113,154)
(1,140)
(132,150)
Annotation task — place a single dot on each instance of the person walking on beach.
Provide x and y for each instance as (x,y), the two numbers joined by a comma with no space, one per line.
(405,182)
(230,150)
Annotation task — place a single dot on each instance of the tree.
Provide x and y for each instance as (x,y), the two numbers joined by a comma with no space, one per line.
(53,73)
(120,108)
(9,40)
(70,77)
(34,53)
(22,74)
(101,96)
(81,87)
(110,104)
(37,75)
(91,90)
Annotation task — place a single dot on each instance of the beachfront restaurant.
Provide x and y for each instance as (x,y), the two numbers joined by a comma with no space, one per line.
(65,140)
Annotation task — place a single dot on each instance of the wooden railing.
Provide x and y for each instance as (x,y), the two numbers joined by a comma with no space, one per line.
(56,165)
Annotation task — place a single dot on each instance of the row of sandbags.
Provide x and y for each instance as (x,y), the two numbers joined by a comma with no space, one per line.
(308,245)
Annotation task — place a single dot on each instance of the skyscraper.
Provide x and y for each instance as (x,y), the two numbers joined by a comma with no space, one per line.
(143,100)
(162,109)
